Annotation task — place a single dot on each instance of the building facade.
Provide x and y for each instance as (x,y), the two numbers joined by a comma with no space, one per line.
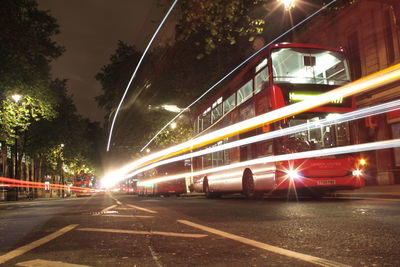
(369,31)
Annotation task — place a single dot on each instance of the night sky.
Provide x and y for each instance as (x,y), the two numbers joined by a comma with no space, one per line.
(90,30)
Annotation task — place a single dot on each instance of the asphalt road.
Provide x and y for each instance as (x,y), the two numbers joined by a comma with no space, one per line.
(125,230)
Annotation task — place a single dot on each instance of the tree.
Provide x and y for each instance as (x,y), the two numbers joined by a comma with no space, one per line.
(209,24)
(78,136)
(26,48)
(114,77)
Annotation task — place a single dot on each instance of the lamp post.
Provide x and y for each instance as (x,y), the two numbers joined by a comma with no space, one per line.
(61,169)
(16,98)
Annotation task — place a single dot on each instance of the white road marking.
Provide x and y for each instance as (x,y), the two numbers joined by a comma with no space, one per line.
(133,232)
(116,200)
(128,216)
(142,209)
(21,250)
(277,250)
(44,263)
(107,209)
(155,256)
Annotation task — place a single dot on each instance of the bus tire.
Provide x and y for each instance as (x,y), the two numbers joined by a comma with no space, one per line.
(248,186)
(206,190)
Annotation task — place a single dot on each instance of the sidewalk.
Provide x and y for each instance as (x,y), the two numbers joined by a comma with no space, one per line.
(372,191)
(369,191)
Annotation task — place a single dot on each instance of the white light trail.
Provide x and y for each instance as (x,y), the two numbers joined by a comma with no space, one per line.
(136,69)
(235,69)
(370,82)
(338,118)
(300,155)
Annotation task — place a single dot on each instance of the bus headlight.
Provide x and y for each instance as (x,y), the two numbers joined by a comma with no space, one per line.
(357,173)
(293,174)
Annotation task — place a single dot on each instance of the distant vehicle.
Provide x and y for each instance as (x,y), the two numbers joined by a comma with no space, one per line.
(281,75)
(83,185)
(165,188)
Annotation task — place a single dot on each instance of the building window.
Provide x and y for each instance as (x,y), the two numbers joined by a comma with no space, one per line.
(387,30)
(354,55)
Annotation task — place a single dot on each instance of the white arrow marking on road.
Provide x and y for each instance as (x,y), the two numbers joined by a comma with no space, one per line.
(107,209)
(128,216)
(142,209)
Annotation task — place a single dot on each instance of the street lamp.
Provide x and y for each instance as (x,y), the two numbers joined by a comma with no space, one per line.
(288,3)
(61,169)
(16,98)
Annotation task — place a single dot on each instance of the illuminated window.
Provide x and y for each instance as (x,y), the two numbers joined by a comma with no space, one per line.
(229,103)
(244,92)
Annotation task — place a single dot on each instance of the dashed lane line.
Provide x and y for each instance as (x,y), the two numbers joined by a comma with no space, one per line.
(142,209)
(108,208)
(44,263)
(128,216)
(22,250)
(133,232)
(277,250)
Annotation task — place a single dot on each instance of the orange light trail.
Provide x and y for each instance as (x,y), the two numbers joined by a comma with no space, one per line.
(300,155)
(11,182)
(365,84)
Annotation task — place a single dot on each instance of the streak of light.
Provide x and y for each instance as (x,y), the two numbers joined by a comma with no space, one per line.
(136,69)
(10,182)
(235,69)
(365,84)
(300,155)
(338,118)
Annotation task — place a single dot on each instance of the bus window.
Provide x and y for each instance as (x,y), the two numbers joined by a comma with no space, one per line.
(216,113)
(229,103)
(245,92)
(318,138)
(206,120)
(309,66)
(260,79)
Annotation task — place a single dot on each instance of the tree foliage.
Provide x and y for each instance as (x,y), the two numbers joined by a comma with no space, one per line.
(209,24)
(26,48)
(114,77)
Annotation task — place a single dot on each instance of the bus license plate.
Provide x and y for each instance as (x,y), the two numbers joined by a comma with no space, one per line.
(326,182)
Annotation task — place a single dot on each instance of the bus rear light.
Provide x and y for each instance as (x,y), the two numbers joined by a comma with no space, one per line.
(362,161)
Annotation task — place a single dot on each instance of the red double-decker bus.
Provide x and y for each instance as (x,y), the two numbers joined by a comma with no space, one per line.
(83,185)
(279,76)
(165,188)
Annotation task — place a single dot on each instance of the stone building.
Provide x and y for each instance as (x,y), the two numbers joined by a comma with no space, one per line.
(369,31)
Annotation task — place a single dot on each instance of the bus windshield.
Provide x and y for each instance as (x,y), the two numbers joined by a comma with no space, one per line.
(318,138)
(309,66)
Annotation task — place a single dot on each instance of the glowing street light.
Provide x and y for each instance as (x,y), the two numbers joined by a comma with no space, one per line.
(288,3)
(16,98)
